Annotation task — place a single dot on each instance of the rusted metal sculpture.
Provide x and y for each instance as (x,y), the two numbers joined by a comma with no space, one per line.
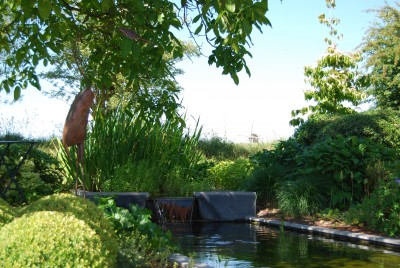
(74,132)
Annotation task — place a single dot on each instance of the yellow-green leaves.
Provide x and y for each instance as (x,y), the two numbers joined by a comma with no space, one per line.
(230,6)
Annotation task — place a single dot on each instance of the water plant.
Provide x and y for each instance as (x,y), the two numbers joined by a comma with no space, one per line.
(127,152)
(141,242)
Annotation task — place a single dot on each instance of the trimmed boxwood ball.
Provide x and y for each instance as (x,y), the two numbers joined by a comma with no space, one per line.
(82,209)
(7,213)
(51,239)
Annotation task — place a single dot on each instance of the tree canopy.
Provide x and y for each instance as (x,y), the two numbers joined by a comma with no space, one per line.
(335,80)
(381,47)
(129,44)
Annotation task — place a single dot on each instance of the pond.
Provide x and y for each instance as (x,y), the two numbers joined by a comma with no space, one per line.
(241,244)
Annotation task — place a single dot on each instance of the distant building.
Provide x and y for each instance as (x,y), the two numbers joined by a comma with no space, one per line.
(253,138)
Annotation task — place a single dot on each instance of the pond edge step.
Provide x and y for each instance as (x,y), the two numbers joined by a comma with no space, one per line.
(374,239)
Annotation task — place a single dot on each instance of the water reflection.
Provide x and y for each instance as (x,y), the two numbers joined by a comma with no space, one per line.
(250,245)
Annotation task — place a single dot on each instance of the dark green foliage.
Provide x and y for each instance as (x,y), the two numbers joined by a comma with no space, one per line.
(299,197)
(380,211)
(136,42)
(308,132)
(382,126)
(40,174)
(380,48)
(262,181)
(334,172)
(141,242)
(52,239)
(271,166)
(340,165)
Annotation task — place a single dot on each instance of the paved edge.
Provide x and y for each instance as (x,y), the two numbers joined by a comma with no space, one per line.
(328,231)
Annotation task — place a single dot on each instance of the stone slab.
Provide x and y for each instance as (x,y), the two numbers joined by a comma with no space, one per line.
(122,199)
(225,205)
(332,232)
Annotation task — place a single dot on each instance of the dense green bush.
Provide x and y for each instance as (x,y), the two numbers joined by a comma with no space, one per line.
(230,175)
(7,213)
(262,180)
(342,170)
(380,211)
(40,174)
(382,126)
(340,165)
(82,209)
(51,239)
(271,166)
(299,197)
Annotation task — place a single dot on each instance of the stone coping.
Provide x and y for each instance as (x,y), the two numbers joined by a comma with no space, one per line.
(374,239)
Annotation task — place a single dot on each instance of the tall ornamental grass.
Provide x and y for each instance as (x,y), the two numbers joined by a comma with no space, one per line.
(126,152)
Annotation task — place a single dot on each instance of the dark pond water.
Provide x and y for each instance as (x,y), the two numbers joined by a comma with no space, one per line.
(251,245)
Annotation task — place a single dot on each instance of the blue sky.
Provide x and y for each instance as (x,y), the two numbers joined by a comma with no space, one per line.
(260,104)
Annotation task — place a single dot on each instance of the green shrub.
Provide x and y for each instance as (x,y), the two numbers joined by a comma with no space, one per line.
(262,181)
(380,211)
(40,174)
(271,166)
(230,175)
(7,213)
(82,209)
(341,166)
(299,198)
(381,126)
(51,239)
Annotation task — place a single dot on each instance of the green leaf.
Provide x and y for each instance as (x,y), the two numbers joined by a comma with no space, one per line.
(230,6)
(126,46)
(235,46)
(17,93)
(35,59)
(198,30)
(6,86)
(196,19)
(44,9)
(235,78)
(27,6)
(247,27)
(176,23)
(105,5)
